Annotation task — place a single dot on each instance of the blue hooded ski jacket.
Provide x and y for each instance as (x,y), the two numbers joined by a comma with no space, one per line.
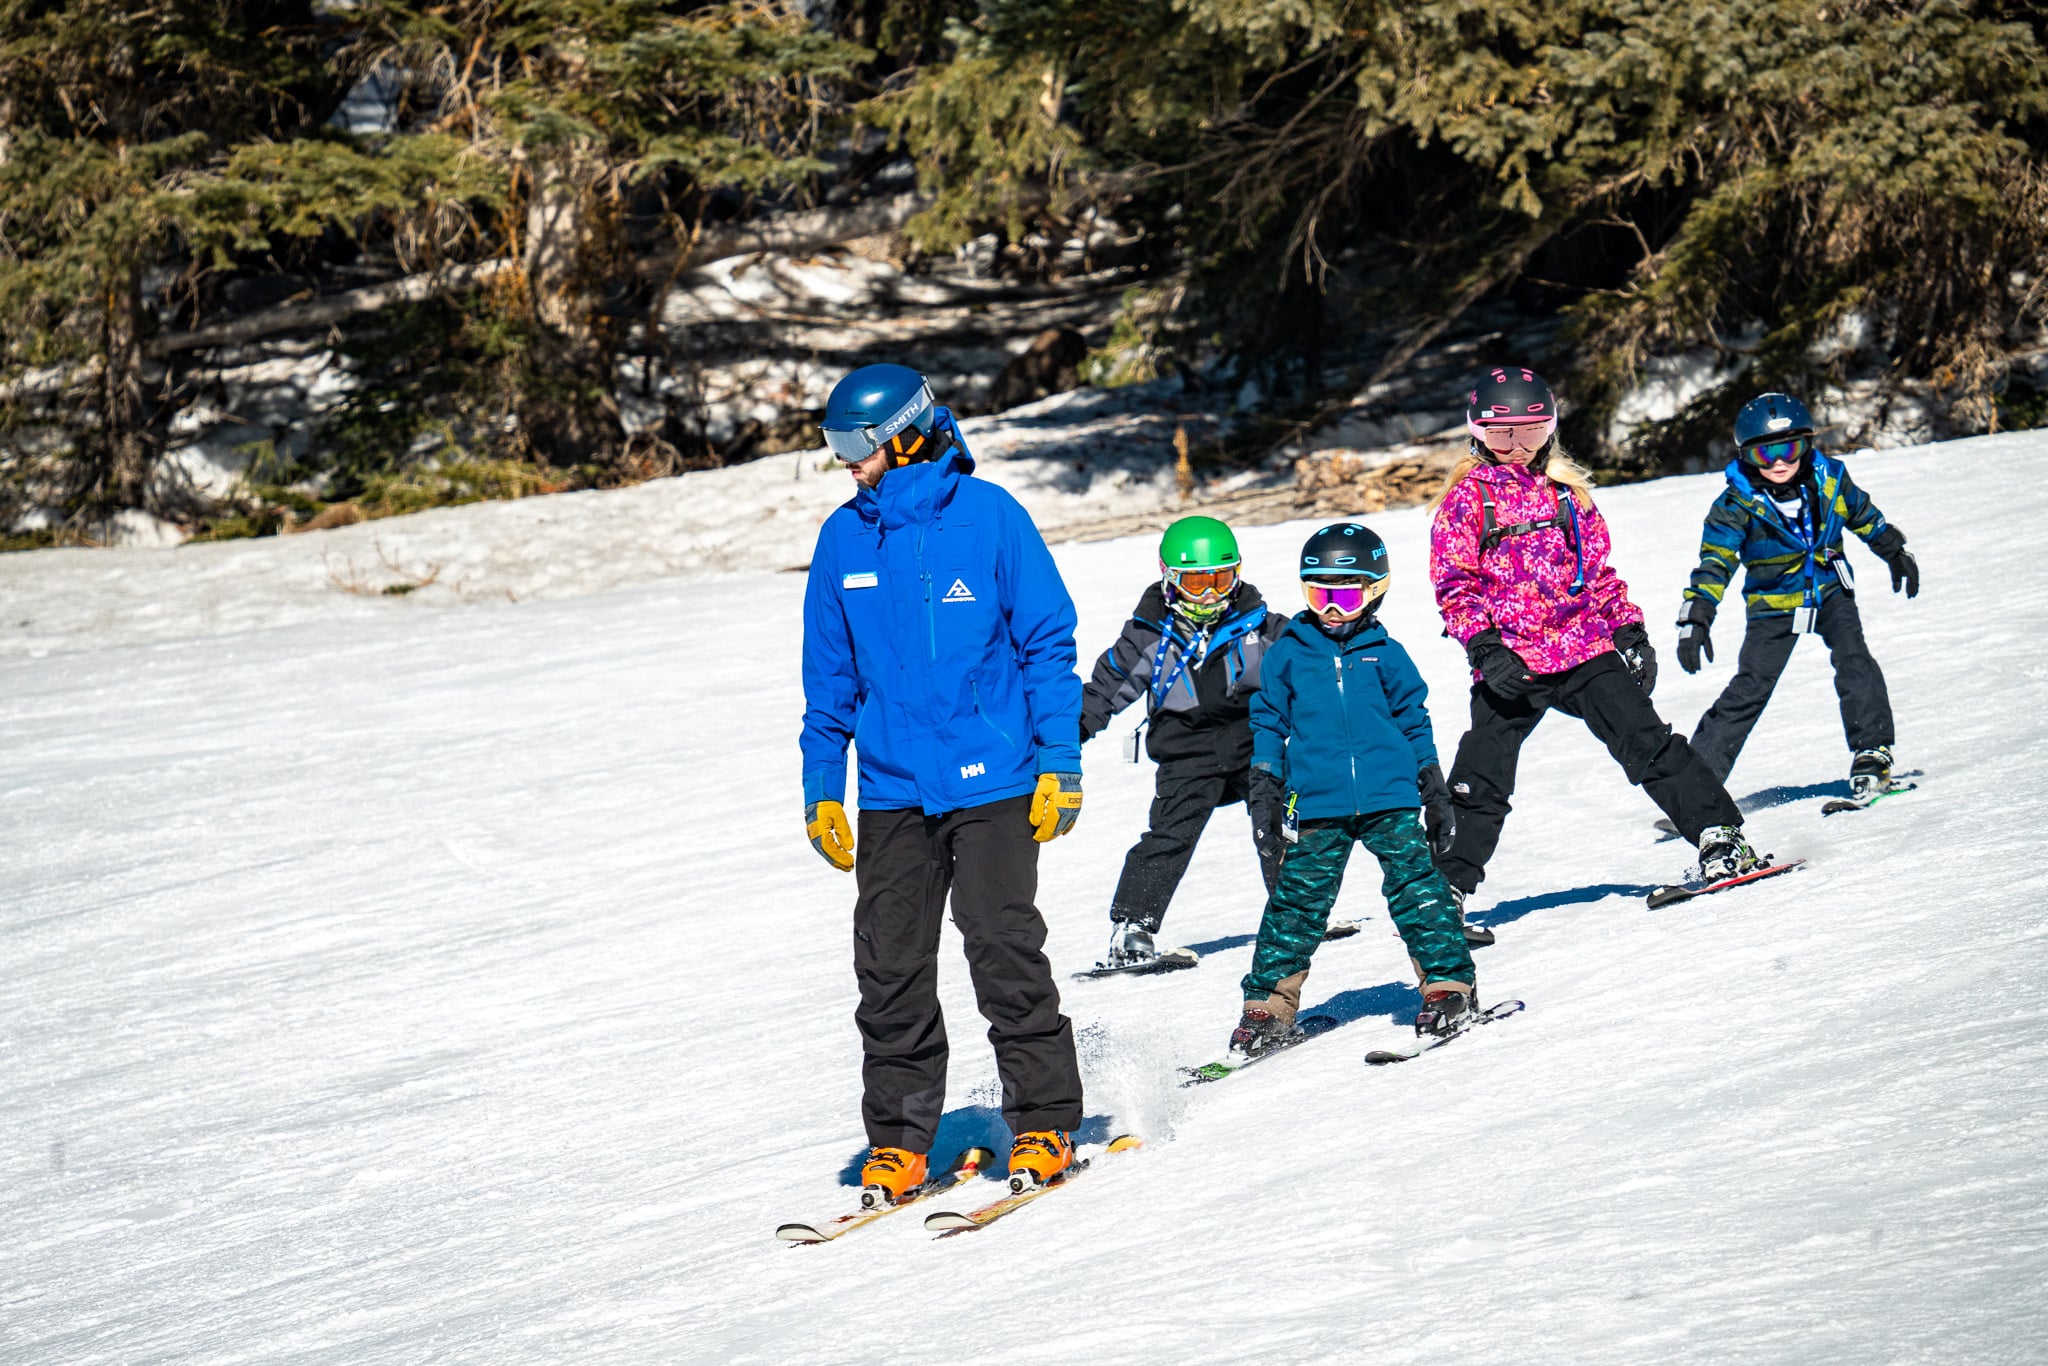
(1342,722)
(939,640)
(1788,563)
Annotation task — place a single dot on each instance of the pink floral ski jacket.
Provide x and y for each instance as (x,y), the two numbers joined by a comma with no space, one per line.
(1549,592)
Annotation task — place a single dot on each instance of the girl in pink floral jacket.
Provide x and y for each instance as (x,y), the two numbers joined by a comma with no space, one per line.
(1518,557)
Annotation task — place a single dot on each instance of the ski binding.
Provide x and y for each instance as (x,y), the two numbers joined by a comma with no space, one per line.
(1672,893)
(946,1223)
(965,1168)
(1499,1010)
(1305,1028)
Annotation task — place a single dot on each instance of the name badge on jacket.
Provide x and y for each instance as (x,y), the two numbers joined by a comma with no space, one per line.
(863,580)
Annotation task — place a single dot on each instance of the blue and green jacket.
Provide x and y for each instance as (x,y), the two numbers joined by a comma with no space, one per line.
(1788,563)
(1342,722)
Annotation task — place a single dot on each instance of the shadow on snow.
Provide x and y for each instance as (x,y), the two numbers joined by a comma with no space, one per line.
(1398,1001)
(1228,941)
(1509,911)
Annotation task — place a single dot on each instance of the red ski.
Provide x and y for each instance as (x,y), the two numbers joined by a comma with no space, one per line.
(1673,893)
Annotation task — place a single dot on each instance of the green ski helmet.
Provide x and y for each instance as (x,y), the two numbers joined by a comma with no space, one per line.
(1198,564)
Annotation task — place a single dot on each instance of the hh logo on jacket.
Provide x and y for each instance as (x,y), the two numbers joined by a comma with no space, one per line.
(959,592)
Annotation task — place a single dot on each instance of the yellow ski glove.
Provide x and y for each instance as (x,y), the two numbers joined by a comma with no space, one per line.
(1055,806)
(831,836)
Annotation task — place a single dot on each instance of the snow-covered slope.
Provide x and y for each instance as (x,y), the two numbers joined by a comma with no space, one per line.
(458,986)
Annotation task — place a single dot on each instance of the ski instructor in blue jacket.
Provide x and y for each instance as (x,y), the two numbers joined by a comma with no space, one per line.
(939,640)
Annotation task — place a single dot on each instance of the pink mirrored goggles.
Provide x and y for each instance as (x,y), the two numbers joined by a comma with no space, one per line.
(1514,434)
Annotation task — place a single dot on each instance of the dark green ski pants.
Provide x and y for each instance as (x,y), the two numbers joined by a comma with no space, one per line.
(1312,873)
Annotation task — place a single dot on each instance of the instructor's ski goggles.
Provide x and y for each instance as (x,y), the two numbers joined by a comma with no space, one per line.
(1203,585)
(1516,436)
(1785,451)
(858,444)
(1348,596)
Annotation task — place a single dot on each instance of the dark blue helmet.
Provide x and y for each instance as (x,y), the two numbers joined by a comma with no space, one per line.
(1770,416)
(1346,549)
(878,405)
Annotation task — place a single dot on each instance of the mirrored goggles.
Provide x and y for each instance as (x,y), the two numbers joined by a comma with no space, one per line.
(1203,585)
(859,443)
(1348,598)
(1787,450)
(1517,436)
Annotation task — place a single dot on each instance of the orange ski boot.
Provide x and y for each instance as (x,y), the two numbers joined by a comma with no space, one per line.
(889,1175)
(1038,1157)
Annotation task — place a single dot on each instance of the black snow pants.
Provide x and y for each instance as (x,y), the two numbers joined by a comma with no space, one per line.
(907,865)
(1602,693)
(1766,648)
(1181,803)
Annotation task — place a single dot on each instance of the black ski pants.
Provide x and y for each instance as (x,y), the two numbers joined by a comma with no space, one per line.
(907,866)
(1602,693)
(1766,649)
(1181,804)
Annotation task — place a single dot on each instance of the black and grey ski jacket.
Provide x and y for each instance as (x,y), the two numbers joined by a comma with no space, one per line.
(1197,685)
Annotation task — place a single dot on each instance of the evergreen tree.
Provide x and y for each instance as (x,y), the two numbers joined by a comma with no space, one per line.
(111,113)
(1746,161)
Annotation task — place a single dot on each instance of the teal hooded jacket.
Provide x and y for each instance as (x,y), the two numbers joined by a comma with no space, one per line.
(1342,723)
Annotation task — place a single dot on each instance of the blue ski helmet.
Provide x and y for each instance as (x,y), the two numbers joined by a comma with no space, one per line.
(1770,416)
(880,405)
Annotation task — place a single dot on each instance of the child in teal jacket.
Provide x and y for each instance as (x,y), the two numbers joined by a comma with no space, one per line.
(1341,739)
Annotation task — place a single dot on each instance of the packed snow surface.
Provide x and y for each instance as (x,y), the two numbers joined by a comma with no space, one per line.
(454,983)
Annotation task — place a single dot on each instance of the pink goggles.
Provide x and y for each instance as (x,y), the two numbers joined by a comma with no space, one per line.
(1525,434)
(1349,599)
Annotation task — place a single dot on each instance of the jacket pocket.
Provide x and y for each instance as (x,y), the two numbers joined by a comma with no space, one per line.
(974,690)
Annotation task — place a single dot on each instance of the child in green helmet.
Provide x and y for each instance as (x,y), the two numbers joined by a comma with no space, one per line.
(1191,650)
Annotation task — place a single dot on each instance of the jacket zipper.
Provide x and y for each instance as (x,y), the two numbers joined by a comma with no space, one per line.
(1344,710)
(931,621)
(989,721)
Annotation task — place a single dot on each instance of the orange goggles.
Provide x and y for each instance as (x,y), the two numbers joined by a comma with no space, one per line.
(1203,584)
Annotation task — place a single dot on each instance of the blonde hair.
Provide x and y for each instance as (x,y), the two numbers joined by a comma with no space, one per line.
(1558,467)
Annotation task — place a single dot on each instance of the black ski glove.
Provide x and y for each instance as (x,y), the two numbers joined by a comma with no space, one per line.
(1889,545)
(1633,641)
(1439,816)
(1267,801)
(1502,669)
(1267,790)
(1695,621)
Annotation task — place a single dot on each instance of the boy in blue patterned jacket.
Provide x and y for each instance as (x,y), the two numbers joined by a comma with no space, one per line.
(1782,517)
(1341,742)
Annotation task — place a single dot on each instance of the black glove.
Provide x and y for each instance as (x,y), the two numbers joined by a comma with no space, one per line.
(1695,621)
(1267,790)
(1633,641)
(1268,803)
(1889,545)
(1502,669)
(1439,816)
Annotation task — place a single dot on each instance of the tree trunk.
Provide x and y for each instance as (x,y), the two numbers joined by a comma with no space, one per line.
(556,245)
(127,452)
(567,408)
